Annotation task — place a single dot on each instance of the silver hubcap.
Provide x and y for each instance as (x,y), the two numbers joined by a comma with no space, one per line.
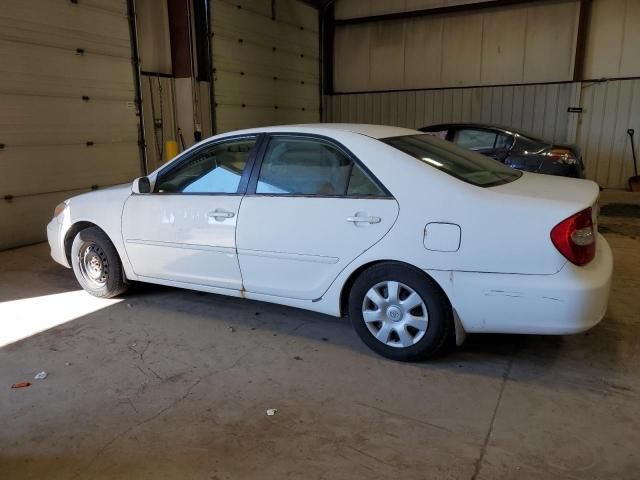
(395,314)
(93,264)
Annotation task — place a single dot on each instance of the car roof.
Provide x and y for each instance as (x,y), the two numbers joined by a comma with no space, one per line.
(373,131)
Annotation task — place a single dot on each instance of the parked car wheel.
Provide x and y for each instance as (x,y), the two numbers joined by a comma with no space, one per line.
(96,264)
(400,312)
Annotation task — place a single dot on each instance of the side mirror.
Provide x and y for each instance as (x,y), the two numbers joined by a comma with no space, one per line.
(141,185)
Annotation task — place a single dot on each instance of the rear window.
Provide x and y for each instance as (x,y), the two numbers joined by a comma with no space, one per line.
(463,164)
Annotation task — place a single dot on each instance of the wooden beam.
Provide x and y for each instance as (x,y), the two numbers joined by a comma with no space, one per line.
(468,7)
(581,40)
(180,31)
(327,41)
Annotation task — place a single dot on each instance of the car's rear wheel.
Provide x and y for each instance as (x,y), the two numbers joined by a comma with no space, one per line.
(400,312)
(96,264)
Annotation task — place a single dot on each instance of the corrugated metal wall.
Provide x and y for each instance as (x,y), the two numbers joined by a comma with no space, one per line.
(610,109)
(540,109)
(266,63)
(614,36)
(67,113)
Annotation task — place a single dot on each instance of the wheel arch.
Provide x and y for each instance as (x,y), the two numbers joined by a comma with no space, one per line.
(348,284)
(459,331)
(73,231)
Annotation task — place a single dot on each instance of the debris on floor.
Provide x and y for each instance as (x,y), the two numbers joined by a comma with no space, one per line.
(231,329)
(271,412)
(21,385)
(41,376)
(297,358)
(67,364)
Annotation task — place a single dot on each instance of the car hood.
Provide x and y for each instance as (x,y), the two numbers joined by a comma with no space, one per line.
(98,204)
(114,190)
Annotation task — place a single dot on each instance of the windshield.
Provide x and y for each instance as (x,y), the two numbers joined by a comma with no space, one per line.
(468,166)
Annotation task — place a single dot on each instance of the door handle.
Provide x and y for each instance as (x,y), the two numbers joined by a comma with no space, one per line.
(358,219)
(219,214)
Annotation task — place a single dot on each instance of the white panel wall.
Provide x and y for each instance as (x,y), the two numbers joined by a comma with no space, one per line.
(57,144)
(614,37)
(488,47)
(265,71)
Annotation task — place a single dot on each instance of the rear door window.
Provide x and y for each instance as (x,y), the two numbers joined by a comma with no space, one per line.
(312,167)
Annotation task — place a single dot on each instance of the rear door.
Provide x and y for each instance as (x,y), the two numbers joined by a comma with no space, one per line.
(311,208)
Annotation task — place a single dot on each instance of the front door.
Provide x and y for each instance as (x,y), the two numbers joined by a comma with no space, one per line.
(185,230)
(310,210)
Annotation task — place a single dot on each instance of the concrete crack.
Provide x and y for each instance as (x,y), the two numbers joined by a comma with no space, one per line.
(483,450)
(157,414)
(155,373)
(403,417)
(133,427)
(132,406)
(144,350)
(375,459)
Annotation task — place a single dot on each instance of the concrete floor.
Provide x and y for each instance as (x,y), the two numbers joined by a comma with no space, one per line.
(172,384)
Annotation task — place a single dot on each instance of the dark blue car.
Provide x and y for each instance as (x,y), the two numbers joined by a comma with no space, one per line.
(513,147)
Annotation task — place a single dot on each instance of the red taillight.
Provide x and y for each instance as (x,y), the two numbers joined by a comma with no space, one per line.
(561,155)
(575,237)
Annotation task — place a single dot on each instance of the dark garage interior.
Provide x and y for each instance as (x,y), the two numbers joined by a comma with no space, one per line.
(165,382)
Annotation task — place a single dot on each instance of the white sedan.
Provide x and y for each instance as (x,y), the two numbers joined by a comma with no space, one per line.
(415,239)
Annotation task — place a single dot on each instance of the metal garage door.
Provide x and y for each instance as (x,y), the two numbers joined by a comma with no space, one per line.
(266,63)
(67,113)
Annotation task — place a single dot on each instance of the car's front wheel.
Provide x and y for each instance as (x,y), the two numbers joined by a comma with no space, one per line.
(400,312)
(96,264)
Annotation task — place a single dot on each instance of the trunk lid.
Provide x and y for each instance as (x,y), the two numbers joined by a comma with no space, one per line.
(568,194)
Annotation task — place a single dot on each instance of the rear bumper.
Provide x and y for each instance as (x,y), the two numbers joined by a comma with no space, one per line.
(55,237)
(571,301)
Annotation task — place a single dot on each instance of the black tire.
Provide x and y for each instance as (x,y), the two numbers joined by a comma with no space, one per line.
(96,264)
(430,342)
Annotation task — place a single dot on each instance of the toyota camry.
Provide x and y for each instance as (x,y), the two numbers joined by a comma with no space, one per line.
(417,240)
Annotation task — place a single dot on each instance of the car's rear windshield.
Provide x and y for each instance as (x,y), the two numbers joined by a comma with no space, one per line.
(468,166)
